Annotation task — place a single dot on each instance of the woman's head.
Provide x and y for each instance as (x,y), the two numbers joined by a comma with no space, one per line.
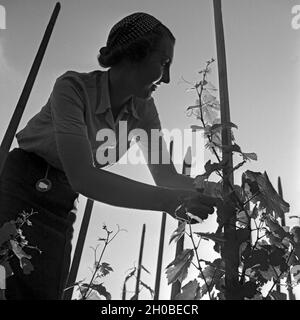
(133,39)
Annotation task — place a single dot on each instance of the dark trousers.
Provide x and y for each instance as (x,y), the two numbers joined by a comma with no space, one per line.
(51,229)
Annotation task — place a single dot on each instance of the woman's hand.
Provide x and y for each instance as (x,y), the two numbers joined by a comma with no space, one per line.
(192,203)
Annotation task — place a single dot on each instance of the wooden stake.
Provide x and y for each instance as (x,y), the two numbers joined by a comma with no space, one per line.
(161,243)
(78,249)
(283,223)
(231,250)
(19,110)
(140,264)
(186,170)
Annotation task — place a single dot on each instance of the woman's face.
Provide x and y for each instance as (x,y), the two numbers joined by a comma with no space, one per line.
(154,69)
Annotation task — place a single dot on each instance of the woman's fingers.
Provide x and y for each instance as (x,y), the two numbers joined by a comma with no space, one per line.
(197,206)
(200,210)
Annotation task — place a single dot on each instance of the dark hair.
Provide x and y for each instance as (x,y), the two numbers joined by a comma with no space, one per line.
(136,50)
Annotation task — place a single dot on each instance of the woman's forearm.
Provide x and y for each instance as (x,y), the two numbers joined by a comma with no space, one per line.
(116,190)
(178,181)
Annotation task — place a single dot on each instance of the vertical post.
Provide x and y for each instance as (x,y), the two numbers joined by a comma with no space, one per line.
(124,292)
(79,248)
(140,263)
(231,251)
(160,255)
(161,243)
(278,289)
(19,110)
(283,223)
(186,169)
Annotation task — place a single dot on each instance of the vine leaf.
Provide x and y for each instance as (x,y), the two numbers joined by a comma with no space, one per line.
(216,237)
(271,273)
(96,291)
(276,257)
(196,128)
(213,270)
(211,167)
(202,291)
(249,156)
(242,218)
(16,248)
(257,296)
(275,227)
(214,132)
(105,268)
(245,250)
(213,274)
(189,291)
(258,258)
(101,290)
(211,145)
(248,290)
(93,295)
(210,86)
(177,269)
(236,148)
(278,295)
(211,111)
(274,239)
(295,271)
(297,250)
(193,107)
(254,212)
(268,196)
(178,233)
(208,98)
(219,126)
(26,265)
(295,231)
(8,231)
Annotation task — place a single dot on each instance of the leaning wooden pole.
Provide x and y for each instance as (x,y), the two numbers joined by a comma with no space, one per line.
(283,223)
(138,277)
(161,243)
(230,252)
(78,250)
(19,110)
(186,170)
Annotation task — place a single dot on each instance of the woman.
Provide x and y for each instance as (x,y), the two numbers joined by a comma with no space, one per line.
(60,154)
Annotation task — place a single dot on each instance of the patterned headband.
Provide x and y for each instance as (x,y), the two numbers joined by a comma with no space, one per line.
(131,28)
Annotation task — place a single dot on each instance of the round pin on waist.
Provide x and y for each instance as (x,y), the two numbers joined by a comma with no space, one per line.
(44,184)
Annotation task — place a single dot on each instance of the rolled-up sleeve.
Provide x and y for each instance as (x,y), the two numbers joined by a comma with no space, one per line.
(67,107)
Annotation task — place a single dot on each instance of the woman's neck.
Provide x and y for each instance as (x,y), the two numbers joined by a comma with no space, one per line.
(119,88)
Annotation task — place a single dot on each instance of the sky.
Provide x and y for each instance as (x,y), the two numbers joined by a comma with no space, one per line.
(263,65)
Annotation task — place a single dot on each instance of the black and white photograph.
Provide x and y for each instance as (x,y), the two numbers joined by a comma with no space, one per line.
(149,151)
